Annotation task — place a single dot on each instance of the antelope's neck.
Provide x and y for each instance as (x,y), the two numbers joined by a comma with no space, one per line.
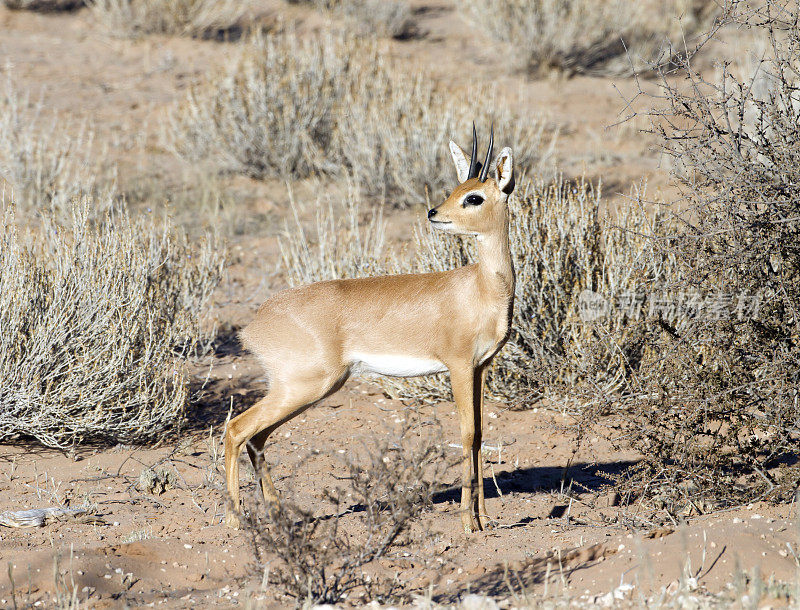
(495,267)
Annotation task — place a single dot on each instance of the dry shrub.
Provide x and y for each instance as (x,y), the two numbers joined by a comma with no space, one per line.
(45,168)
(98,320)
(390,481)
(292,108)
(45,6)
(271,114)
(198,18)
(394,141)
(563,243)
(196,200)
(715,408)
(384,18)
(591,36)
(157,480)
(339,246)
(380,17)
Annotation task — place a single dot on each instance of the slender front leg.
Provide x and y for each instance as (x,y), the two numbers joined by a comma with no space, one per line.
(462,379)
(477,446)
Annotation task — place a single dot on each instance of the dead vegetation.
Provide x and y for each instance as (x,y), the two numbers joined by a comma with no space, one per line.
(334,105)
(44,168)
(339,244)
(98,320)
(391,18)
(714,404)
(590,37)
(99,314)
(272,113)
(389,483)
(197,18)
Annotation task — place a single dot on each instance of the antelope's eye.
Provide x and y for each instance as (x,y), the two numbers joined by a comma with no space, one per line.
(473,200)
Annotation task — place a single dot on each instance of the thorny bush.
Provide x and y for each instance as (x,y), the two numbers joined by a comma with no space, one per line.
(390,482)
(714,406)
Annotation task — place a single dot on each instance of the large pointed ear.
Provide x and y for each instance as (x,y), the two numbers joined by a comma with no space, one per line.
(461,161)
(504,171)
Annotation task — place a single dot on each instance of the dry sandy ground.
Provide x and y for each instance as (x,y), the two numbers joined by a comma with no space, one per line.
(170,549)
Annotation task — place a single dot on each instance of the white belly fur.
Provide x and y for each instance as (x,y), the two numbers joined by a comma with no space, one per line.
(394,365)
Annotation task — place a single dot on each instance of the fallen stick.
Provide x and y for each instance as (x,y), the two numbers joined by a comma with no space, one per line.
(38,517)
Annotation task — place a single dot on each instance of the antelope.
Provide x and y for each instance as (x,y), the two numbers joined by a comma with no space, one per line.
(312,338)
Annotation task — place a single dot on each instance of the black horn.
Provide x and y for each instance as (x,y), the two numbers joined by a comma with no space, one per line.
(473,162)
(485,168)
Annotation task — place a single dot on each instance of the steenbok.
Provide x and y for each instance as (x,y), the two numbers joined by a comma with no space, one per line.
(311,339)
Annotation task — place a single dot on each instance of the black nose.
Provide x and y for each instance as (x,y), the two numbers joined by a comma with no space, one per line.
(431,213)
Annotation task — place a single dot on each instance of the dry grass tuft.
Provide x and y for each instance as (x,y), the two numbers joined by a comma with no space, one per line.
(340,245)
(591,37)
(391,18)
(46,172)
(271,114)
(292,108)
(197,18)
(98,320)
(390,483)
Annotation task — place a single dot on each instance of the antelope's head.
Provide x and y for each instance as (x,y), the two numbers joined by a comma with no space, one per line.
(479,204)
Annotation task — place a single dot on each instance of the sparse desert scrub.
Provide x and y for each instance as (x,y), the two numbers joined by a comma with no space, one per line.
(339,245)
(196,200)
(98,320)
(393,136)
(587,36)
(45,168)
(384,18)
(333,105)
(44,6)
(715,406)
(390,482)
(381,17)
(564,241)
(199,18)
(271,113)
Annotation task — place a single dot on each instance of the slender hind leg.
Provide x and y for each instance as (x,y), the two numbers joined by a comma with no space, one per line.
(255,449)
(283,402)
(235,437)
